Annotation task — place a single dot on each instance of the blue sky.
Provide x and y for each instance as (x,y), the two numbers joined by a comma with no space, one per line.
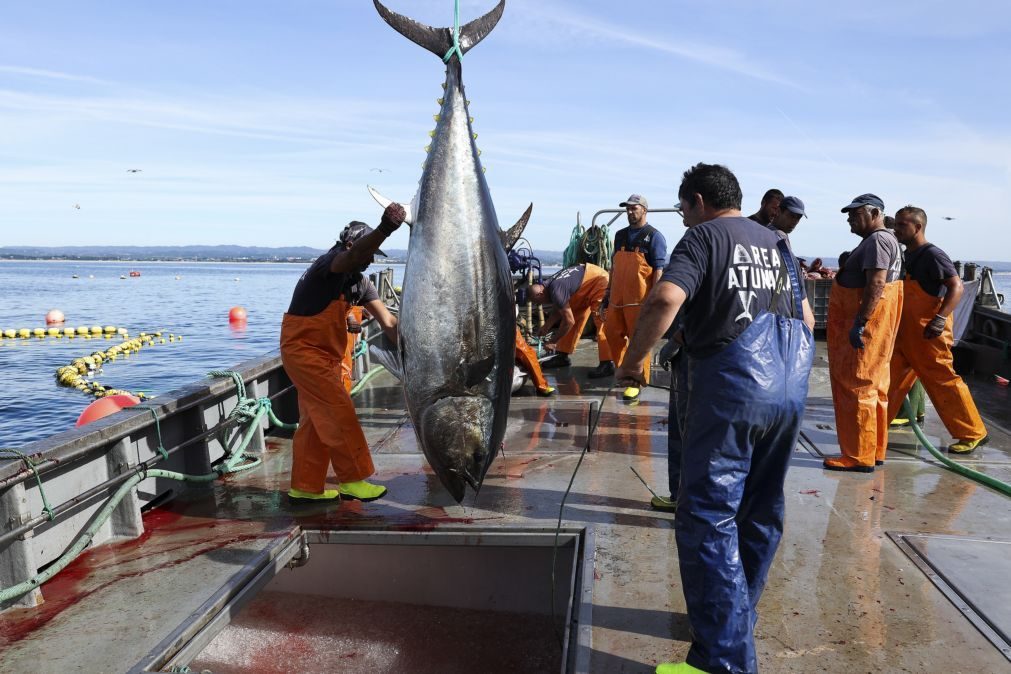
(262,122)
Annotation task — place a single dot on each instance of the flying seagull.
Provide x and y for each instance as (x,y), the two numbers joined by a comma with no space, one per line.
(134,170)
(77,206)
(947,218)
(380,170)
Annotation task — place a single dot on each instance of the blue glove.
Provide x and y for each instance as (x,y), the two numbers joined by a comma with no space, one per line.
(857,333)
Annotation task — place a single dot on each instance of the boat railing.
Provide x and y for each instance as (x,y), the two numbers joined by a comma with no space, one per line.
(78,469)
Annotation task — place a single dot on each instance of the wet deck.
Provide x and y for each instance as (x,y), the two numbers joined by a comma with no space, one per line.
(843,595)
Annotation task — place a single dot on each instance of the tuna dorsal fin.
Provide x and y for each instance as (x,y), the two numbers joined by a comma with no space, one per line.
(474,373)
(512,235)
(384,202)
(440,40)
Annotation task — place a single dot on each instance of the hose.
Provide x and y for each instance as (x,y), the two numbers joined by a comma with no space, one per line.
(953,466)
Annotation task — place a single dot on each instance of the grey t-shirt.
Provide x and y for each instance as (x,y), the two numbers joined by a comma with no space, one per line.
(318,287)
(880,250)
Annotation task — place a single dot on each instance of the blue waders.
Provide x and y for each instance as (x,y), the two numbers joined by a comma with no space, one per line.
(745,407)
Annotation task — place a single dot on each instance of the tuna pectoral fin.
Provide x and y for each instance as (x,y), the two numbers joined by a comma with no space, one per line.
(409,209)
(385,353)
(512,235)
(440,40)
(474,373)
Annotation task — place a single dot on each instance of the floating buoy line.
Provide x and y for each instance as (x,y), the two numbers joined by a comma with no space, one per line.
(80,373)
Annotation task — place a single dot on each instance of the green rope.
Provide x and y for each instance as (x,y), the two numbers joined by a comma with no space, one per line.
(46,508)
(360,349)
(456,35)
(157,428)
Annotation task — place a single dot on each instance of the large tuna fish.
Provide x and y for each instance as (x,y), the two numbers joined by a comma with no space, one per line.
(457,318)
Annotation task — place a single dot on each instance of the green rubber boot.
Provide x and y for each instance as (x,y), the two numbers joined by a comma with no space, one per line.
(362,491)
(677,668)
(299,496)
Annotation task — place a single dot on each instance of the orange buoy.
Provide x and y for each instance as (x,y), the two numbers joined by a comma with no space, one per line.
(54,317)
(237,315)
(103,407)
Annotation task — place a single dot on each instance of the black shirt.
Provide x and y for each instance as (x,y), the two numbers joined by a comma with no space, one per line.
(563,285)
(728,267)
(929,266)
(318,287)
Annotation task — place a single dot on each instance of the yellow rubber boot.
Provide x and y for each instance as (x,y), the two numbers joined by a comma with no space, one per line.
(899,422)
(677,668)
(362,491)
(966,446)
(299,496)
(663,504)
(546,391)
(630,394)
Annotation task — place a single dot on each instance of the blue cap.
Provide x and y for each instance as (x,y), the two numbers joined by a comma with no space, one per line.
(794,205)
(865,200)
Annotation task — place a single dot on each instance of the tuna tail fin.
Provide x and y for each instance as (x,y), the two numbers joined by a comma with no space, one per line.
(512,235)
(409,209)
(440,40)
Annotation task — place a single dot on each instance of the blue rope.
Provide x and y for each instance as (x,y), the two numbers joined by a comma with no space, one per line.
(456,35)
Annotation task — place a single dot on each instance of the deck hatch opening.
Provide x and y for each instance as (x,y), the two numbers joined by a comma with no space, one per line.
(391,601)
(963,568)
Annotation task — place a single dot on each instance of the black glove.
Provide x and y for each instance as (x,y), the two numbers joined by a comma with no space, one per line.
(669,351)
(935,327)
(392,218)
(354,327)
(857,333)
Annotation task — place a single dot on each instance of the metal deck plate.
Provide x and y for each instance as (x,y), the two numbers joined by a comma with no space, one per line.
(965,570)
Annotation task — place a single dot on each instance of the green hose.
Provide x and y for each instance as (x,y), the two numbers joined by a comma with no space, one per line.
(368,375)
(954,466)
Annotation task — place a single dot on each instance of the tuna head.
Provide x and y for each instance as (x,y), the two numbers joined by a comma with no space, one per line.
(454,435)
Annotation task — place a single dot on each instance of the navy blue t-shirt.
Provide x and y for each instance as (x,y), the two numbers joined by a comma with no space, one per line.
(647,239)
(563,285)
(318,287)
(929,266)
(729,268)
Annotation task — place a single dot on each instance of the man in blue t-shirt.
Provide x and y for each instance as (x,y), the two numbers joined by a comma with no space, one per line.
(748,337)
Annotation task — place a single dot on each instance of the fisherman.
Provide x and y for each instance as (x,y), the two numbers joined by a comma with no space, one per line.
(791,210)
(749,363)
(769,208)
(526,359)
(577,293)
(314,338)
(640,252)
(931,290)
(863,316)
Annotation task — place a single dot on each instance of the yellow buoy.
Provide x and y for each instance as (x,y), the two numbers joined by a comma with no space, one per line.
(10,334)
(24,333)
(83,330)
(69,332)
(39,332)
(96,330)
(110,329)
(122,331)
(53,332)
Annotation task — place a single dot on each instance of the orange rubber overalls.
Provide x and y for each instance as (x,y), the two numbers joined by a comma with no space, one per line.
(860,377)
(631,281)
(312,348)
(583,303)
(526,357)
(931,361)
(348,362)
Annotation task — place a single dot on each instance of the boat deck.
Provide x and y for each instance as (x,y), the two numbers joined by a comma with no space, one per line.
(844,594)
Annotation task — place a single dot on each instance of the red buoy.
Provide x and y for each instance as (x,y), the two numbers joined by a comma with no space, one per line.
(237,315)
(103,407)
(54,317)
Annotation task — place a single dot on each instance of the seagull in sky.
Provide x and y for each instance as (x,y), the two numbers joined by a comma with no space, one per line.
(134,170)
(77,206)
(947,218)
(379,170)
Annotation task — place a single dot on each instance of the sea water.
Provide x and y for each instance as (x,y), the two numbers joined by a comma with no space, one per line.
(189,299)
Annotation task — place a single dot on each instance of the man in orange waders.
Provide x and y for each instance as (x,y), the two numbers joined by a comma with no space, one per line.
(577,293)
(930,292)
(526,358)
(863,317)
(314,341)
(640,254)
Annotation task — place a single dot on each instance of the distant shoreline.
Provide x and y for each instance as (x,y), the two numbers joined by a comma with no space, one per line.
(141,261)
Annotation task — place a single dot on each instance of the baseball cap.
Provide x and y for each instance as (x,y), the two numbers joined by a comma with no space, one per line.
(865,200)
(356,230)
(635,200)
(794,205)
